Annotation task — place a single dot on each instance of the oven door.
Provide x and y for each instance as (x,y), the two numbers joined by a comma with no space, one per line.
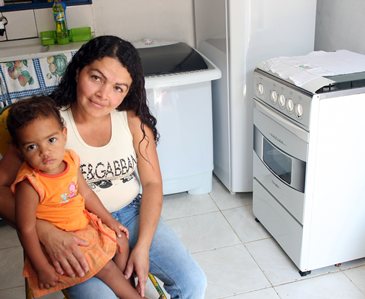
(280,154)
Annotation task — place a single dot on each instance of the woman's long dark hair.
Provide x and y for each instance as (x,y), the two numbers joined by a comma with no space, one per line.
(109,46)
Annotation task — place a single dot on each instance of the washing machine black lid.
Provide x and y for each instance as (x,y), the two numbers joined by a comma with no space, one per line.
(344,82)
(170,59)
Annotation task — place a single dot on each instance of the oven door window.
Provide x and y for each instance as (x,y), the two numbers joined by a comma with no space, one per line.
(290,170)
(278,162)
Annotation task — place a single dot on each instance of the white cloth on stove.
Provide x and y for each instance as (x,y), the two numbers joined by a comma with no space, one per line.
(302,69)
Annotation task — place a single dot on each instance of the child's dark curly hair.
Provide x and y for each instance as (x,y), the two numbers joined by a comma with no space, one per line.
(25,111)
(127,55)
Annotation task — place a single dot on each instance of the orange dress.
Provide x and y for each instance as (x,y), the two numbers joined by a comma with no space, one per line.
(61,204)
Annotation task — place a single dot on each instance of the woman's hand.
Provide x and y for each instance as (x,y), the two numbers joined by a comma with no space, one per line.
(63,250)
(138,263)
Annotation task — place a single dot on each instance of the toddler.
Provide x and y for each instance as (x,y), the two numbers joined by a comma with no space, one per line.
(49,186)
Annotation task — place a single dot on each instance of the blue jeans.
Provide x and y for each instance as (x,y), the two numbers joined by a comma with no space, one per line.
(169,261)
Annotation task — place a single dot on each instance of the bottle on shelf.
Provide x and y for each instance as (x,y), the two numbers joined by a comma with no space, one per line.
(59,14)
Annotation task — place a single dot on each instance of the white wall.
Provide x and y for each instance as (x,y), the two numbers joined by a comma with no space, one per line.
(129,19)
(340,25)
(137,19)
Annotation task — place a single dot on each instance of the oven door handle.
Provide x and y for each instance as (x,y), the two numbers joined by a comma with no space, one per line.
(282,121)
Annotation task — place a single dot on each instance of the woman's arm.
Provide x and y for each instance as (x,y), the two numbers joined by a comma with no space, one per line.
(9,166)
(26,202)
(151,204)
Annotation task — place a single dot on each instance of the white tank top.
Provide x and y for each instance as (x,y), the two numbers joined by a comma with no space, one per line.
(110,170)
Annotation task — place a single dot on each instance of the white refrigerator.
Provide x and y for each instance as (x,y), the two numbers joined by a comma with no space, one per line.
(236,35)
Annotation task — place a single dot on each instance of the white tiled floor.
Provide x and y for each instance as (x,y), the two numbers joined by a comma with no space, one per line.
(240,258)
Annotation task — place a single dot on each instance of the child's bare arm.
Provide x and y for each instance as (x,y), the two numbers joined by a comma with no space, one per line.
(26,202)
(94,205)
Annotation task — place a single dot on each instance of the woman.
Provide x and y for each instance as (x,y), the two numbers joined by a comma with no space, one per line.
(103,102)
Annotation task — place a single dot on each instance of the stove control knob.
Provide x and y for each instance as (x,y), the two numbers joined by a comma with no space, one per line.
(274,96)
(260,89)
(282,100)
(290,105)
(299,110)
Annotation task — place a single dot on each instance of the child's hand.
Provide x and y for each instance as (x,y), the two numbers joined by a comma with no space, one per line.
(118,228)
(47,277)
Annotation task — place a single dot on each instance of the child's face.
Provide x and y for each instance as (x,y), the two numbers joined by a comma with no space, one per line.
(42,143)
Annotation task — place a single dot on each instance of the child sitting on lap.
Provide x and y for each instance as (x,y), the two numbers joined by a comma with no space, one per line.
(49,186)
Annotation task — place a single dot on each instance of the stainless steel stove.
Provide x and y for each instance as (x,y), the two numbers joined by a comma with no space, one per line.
(309,166)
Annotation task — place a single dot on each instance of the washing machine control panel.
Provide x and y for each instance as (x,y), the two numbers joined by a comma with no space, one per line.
(283,97)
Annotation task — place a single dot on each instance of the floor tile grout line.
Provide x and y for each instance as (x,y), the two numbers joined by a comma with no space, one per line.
(191,216)
(352,282)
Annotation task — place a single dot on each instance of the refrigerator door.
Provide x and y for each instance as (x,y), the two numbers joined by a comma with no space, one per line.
(236,35)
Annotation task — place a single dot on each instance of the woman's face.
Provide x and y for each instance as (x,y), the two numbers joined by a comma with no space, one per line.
(102,86)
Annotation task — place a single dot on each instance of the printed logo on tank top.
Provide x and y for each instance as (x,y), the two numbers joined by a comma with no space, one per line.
(102,174)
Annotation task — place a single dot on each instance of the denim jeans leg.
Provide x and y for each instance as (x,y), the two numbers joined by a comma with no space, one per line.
(172,263)
(93,288)
(169,261)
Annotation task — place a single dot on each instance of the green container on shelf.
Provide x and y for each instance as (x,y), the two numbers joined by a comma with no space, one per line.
(48,37)
(63,40)
(80,34)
